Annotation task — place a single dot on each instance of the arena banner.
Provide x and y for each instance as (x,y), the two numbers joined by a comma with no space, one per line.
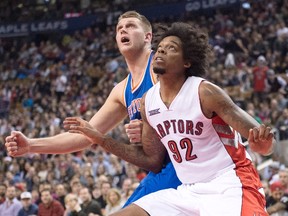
(189,6)
(22,29)
(208,4)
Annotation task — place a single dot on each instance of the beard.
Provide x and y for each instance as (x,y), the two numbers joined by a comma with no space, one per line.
(158,70)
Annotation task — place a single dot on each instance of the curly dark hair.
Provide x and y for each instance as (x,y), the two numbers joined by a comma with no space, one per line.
(195,45)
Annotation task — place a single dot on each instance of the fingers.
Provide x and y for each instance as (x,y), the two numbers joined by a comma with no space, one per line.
(134,130)
(13,137)
(73,121)
(135,123)
(11,146)
(260,133)
(11,143)
(70,121)
(10,138)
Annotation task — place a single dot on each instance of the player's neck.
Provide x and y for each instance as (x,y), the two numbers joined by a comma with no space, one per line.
(169,89)
(137,64)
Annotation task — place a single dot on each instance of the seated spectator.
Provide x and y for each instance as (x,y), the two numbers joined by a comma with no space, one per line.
(104,188)
(265,185)
(3,188)
(75,185)
(12,205)
(282,125)
(89,205)
(28,208)
(114,201)
(276,84)
(49,206)
(277,203)
(283,178)
(125,188)
(60,192)
(73,207)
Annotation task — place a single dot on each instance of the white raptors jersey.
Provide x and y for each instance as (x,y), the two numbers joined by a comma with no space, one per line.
(200,148)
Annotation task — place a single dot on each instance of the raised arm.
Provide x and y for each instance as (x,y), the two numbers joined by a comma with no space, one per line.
(149,155)
(215,101)
(111,113)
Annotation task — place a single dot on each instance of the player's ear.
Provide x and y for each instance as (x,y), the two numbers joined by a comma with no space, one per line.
(187,65)
(148,36)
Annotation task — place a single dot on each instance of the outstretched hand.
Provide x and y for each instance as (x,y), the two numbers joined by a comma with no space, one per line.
(80,126)
(134,130)
(260,139)
(17,144)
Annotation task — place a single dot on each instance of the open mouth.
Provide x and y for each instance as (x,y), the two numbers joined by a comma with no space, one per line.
(125,40)
(158,59)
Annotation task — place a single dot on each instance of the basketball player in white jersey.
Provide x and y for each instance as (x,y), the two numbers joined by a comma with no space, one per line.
(198,124)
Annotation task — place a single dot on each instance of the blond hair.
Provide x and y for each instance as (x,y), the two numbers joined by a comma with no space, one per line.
(70,196)
(118,194)
(133,14)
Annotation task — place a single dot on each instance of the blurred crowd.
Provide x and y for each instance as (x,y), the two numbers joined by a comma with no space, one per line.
(25,11)
(42,82)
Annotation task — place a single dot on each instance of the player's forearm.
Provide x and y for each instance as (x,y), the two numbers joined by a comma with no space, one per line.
(242,123)
(59,144)
(132,153)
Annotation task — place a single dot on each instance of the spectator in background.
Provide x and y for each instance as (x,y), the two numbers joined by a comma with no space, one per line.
(234,47)
(275,110)
(104,188)
(89,205)
(12,205)
(35,196)
(60,84)
(28,208)
(75,185)
(126,186)
(3,188)
(114,201)
(259,80)
(60,192)
(277,203)
(259,47)
(282,124)
(73,207)
(276,84)
(115,170)
(49,206)
(266,188)
(96,192)
(283,178)
(90,181)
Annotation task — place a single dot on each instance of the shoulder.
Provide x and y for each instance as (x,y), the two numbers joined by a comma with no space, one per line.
(121,85)
(118,91)
(207,88)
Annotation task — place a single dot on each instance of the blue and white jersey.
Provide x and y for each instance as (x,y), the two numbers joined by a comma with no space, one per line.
(133,95)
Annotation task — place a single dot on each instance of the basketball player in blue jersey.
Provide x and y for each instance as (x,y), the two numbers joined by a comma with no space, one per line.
(199,126)
(133,36)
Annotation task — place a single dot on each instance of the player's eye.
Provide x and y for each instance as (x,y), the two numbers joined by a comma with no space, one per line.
(172,48)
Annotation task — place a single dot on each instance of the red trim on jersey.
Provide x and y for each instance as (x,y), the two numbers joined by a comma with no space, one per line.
(219,124)
(253,202)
